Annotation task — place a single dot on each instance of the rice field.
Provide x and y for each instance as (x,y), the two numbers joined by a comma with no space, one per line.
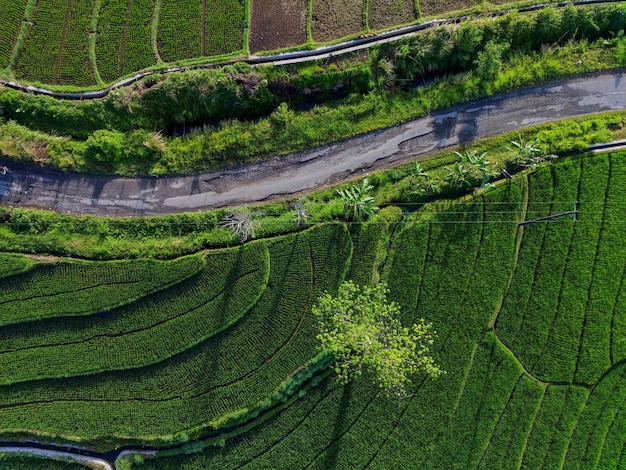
(91,43)
(483,281)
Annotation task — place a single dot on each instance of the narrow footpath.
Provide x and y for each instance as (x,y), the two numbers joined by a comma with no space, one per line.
(316,168)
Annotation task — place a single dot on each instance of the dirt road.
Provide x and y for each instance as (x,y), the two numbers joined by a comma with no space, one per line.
(316,168)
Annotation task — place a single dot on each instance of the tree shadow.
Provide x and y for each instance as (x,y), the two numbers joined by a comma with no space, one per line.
(331,457)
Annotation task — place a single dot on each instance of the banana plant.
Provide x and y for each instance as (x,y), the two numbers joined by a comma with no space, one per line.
(357,199)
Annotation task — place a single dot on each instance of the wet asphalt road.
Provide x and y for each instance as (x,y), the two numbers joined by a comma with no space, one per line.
(298,173)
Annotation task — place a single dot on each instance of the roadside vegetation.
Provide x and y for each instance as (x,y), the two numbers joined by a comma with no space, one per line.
(237,113)
(445,175)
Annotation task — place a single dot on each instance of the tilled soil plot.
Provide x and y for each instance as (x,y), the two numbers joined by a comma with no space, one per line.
(334,19)
(276,24)
(435,7)
(387,13)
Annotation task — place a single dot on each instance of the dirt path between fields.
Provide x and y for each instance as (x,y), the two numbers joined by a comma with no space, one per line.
(299,173)
(66,23)
(120,69)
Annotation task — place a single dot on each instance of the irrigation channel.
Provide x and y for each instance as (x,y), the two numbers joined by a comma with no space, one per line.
(306,171)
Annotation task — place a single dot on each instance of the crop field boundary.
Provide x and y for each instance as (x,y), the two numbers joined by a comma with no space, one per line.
(522,179)
(283,58)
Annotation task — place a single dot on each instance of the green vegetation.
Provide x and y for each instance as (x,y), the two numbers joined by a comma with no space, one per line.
(533,359)
(13,264)
(490,410)
(143,332)
(361,329)
(235,113)
(11,15)
(123,46)
(560,314)
(68,288)
(56,45)
(226,376)
(180,30)
(215,349)
(32,462)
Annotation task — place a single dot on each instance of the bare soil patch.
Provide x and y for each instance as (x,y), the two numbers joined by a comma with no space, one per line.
(334,19)
(276,24)
(384,14)
(436,7)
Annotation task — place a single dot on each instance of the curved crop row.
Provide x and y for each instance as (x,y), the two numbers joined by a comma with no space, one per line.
(144,332)
(601,429)
(561,312)
(232,370)
(13,264)
(70,288)
(354,426)
(553,427)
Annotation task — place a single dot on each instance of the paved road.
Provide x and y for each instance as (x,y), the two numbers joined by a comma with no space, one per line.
(316,168)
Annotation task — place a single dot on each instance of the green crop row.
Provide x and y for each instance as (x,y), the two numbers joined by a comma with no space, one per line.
(123,38)
(71,288)
(11,461)
(11,17)
(224,27)
(538,301)
(553,426)
(580,337)
(143,332)
(13,264)
(231,371)
(74,67)
(137,52)
(348,427)
(37,60)
(514,305)
(560,312)
(366,239)
(601,429)
(180,30)
(56,48)
(485,397)
(110,29)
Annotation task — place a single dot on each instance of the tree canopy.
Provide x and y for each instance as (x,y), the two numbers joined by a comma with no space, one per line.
(363,331)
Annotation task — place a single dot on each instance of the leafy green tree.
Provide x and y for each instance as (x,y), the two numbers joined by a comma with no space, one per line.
(467,39)
(362,330)
(489,61)
(357,199)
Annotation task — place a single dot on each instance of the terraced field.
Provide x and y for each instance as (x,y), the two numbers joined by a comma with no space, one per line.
(467,273)
(529,320)
(89,43)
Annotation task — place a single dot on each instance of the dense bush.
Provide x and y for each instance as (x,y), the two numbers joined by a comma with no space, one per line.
(481,44)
